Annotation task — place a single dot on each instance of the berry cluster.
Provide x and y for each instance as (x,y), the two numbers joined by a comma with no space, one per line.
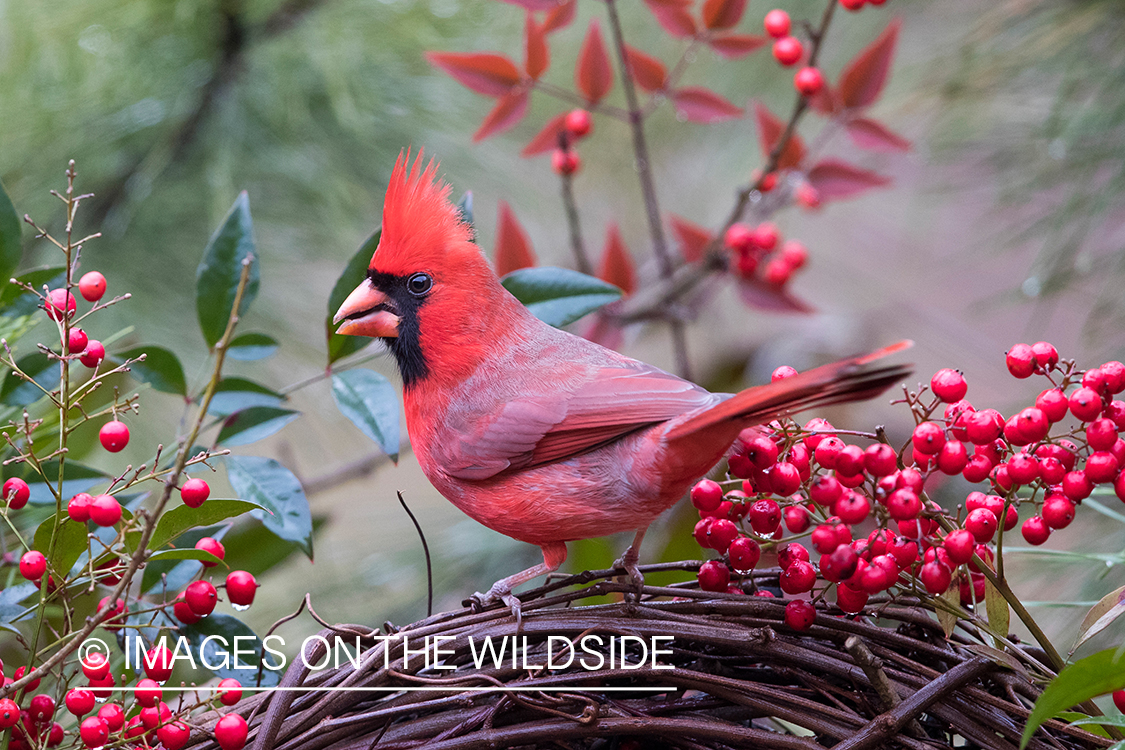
(865,510)
(754,257)
(576,125)
(789,51)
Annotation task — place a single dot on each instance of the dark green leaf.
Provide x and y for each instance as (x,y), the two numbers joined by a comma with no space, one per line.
(179,575)
(218,654)
(19,309)
(368,399)
(465,206)
(70,541)
(216,279)
(10,598)
(236,394)
(253,424)
(271,485)
(184,554)
(254,548)
(182,518)
(78,478)
(1086,678)
(161,368)
(250,346)
(354,273)
(10,248)
(18,392)
(559,296)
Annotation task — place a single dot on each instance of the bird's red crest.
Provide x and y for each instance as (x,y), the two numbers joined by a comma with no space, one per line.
(420,225)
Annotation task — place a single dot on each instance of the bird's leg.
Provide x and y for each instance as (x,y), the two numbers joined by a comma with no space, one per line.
(554,554)
(628,561)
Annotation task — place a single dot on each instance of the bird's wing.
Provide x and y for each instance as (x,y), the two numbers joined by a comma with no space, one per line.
(542,428)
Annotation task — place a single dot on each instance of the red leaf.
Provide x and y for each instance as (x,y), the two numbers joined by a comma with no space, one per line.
(863,79)
(692,238)
(723,14)
(763,296)
(769,131)
(536,55)
(875,136)
(535,5)
(673,17)
(513,250)
(700,105)
(547,139)
(617,266)
(835,179)
(560,16)
(486,73)
(645,70)
(733,46)
(826,101)
(504,116)
(593,74)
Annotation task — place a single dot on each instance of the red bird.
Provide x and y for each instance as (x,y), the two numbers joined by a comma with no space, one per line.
(534,432)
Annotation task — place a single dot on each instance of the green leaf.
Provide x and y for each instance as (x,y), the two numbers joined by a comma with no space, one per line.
(354,274)
(10,598)
(183,518)
(465,206)
(254,548)
(78,478)
(220,650)
(184,554)
(19,309)
(1100,616)
(179,575)
(1098,507)
(253,424)
(948,619)
(10,248)
(18,392)
(559,296)
(1086,678)
(216,279)
(161,368)
(70,541)
(250,346)
(368,399)
(1095,723)
(271,485)
(236,394)
(996,606)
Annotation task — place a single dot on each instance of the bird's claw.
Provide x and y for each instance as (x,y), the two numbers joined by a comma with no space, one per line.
(498,593)
(628,563)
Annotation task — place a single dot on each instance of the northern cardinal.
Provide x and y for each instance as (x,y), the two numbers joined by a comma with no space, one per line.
(534,432)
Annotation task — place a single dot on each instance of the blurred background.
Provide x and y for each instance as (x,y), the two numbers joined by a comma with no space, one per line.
(1004,222)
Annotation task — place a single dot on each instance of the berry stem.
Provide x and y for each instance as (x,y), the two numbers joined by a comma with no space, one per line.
(581,259)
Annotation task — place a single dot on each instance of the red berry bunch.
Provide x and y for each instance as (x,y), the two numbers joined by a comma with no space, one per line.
(758,253)
(577,124)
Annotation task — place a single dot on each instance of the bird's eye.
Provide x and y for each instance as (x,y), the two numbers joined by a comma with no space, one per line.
(419,284)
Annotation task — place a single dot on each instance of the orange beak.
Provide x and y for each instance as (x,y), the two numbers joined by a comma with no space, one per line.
(367,312)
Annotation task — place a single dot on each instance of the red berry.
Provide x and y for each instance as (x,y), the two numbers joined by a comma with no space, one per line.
(762,452)
(1114,373)
(1035,530)
(765,516)
(799,614)
(565,162)
(1021,361)
(849,461)
(852,508)
(953,457)
(808,196)
(740,238)
(852,5)
(1058,511)
(16,493)
(59,304)
(1101,434)
(705,495)
(776,23)
(91,286)
(94,732)
(158,663)
(1085,404)
(1051,470)
(1076,485)
(195,491)
(41,709)
(241,587)
(850,600)
(949,385)
(784,478)
(1023,468)
(928,437)
(113,715)
(798,578)
(93,354)
(777,272)
(9,713)
(76,341)
(959,544)
(721,534)
(114,436)
(808,81)
(824,539)
(1095,380)
(78,507)
(1101,467)
(904,551)
(791,553)
(230,691)
(173,735)
(183,612)
(230,732)
(33,565)
(115,620)
(578,123)
(984,426)
(1119,700)
(981,523)
(936,577)
(904,505)
(105,510)
(1046,355)
(840,564)
(788,50)
(794,254)
(1033,424)
(713,576)
(95,666)
(766,235)
(202,597)
(880,460)
(214,546)
(79,702)
(781,373)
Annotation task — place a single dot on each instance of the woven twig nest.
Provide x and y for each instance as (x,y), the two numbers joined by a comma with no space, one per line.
(738,678)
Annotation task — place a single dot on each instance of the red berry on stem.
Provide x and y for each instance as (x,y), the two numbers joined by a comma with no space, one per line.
(105,510)
(1076,485)
(173,735)
(565,162)
(78,507)
(230,691)
(93,731)
(214,546)
(578,123)
(936,577)
(16,493)
(981,523)
(777,23)
(713,576)
(79,702)
(230,732)
(113,715)
(740,238)
(1114,373)
(928,437)
(41,709)
(33,565)
(880,460)
(1101,467)
(705,495)
(114,436)
(59,304)
(76,341)
(195,491)
(9,713)
(744,553)
(1101,434)
(202,597)
(241,587)
(1021,361)
(794,254)
(765,516)
(91,286)
(93,354)
(808,81)
(1046,355)
(949,385)
(721,534)
(1058,511)
(158,663)
(1085,404)
(799,614)
(959,544)
(1035,530)
(95,666)
(766,235)
(850,600)
(797,519)
(791,553)
(788,50)
(1119,700)
(183,612)
(798,578)
(852,5)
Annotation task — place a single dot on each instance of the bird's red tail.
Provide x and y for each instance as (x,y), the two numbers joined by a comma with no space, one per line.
(839,382)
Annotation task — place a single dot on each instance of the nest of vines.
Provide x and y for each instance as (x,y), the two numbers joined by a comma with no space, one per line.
(736,677)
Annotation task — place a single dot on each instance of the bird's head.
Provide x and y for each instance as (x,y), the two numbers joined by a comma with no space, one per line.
(430,294)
